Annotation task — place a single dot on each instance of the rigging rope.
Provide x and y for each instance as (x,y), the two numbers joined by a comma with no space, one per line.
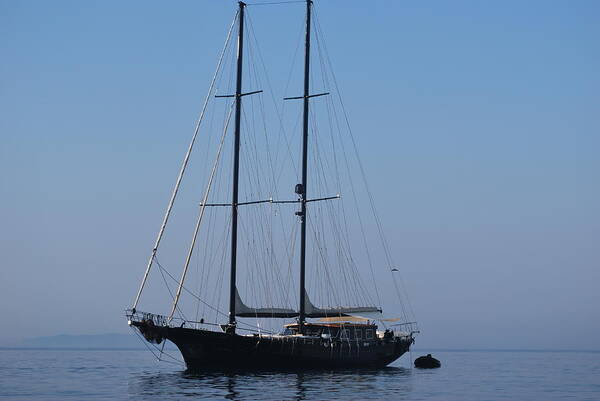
(202,209)
(379,226)
(184,165)
(169,289)
(175,360)
(200,299)
(187,290)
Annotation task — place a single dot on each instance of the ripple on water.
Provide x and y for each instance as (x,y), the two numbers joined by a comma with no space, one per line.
(135,375)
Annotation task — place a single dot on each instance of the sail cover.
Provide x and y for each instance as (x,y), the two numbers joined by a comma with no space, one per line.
(241,310)
(313,311)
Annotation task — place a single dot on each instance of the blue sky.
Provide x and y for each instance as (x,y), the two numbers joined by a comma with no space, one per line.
(477,121)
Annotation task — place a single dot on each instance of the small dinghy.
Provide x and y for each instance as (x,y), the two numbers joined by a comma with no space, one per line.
(427,362)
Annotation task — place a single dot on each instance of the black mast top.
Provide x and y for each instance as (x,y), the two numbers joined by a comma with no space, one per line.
(236,168)
(302,190)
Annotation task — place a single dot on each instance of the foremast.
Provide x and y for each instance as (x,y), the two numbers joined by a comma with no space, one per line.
(236,168)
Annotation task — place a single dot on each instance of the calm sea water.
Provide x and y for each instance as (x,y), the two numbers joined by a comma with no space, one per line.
(135,375)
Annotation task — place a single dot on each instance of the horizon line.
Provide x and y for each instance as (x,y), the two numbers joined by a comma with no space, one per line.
(21,348)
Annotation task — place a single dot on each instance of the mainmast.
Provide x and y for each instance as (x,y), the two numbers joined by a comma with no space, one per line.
(302,191)
(236,168)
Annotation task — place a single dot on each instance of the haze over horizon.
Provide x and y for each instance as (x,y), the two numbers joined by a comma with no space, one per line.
(477,124)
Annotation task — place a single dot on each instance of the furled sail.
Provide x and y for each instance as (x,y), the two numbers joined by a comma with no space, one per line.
(313,311)
(241,310)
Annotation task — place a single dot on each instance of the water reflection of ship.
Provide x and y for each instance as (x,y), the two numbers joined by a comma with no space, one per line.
(387,383)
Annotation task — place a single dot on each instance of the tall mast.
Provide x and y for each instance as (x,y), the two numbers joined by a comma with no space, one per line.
(236,168)
(302,191)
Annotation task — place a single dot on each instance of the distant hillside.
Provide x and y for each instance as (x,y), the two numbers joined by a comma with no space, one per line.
(94,341)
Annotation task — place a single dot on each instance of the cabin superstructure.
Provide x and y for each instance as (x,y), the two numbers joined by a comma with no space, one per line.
(341,331)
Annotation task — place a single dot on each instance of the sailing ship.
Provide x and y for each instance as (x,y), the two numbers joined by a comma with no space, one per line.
(317,337)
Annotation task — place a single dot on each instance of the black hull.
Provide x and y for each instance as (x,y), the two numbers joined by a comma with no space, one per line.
(208,350)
